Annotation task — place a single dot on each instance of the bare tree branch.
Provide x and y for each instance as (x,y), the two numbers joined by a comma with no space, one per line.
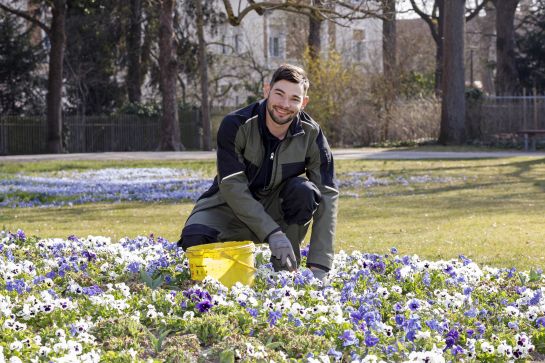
(328,12)
(476,11)
(26,16)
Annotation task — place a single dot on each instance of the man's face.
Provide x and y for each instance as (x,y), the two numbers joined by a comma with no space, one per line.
(284,101)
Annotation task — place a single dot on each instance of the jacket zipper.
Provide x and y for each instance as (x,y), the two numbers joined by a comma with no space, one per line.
(275,165)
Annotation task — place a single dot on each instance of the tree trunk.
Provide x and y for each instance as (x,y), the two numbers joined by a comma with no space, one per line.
(170,127)
(486,45)
(134,51)
(440,47)
(389,58)
(203,70)
(453,98)
(507,79)
(389,62)
(57,40)
(315,33)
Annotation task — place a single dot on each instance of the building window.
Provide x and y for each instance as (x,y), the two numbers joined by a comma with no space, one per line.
(358,38)
(359,51)
(236,43)
(274,46)
(223,47)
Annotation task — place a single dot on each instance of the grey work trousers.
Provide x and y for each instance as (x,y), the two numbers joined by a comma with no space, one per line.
(291,206)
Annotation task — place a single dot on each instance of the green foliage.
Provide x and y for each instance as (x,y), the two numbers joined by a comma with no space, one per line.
(180,348)
(333,86)
(473,94)
(211,328)
(530,56)
(415,83)
(22,88)
(538,339)
(293,342)
(150,281)
(92,56)
(148,109)
(118,334)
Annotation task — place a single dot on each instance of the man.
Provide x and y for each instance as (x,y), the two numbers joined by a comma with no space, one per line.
(259,193)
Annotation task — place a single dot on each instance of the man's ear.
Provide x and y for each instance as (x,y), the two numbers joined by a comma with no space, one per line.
(266,89)
(305,101)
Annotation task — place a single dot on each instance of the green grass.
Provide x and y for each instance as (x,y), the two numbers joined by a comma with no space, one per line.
(493,210)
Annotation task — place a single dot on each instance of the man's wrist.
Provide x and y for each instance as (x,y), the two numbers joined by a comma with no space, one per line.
(275,231)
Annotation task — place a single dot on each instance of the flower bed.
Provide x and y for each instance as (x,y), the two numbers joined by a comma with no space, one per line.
(104,185)
(91,299)
(154,184)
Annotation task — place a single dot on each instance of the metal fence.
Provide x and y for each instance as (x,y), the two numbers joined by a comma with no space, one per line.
(500,118)
(27,135)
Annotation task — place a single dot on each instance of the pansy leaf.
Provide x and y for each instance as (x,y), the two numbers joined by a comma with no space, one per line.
(227,356)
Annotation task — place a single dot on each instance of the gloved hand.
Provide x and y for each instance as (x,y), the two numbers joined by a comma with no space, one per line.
(281,249)
(318,273)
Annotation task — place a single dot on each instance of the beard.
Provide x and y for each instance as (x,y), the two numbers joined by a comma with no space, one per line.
(278,120)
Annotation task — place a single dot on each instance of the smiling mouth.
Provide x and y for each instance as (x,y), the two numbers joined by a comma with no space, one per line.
(281,112)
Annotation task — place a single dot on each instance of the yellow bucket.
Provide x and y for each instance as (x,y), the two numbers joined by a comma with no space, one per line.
(227,262)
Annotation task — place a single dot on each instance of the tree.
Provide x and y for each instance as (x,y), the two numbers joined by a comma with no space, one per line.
(203,70)
(389,61)
(453,101)
(530,57)
(134,51)
(20,86)
(315,31)
(170,127)
(55,33)
(507,79)
(92,57)
(435,20)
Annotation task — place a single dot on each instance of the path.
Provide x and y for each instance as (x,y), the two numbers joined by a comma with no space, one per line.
(340,154)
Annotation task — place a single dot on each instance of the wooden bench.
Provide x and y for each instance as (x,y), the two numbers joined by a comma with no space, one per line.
(530,135)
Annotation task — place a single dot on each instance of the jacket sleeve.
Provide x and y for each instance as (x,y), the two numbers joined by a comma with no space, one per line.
(320,170)
(233,183)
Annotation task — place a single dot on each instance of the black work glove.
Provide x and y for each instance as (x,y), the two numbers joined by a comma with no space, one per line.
(282,250)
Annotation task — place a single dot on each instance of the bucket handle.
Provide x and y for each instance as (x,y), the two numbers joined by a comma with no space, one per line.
(223,254)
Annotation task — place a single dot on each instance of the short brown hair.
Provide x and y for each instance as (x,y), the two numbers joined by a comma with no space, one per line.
(291,73)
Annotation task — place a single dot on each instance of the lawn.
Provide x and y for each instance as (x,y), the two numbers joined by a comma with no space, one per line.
(490,210)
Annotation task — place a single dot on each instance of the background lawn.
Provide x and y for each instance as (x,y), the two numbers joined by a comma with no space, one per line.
(491,210)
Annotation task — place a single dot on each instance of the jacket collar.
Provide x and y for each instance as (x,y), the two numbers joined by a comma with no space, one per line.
(296,128)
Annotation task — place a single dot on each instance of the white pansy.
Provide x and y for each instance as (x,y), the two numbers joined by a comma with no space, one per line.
(505,349)
(487,347)
(383,293)
(74,347)
(426,357)
(44,351)
(16,345)
(397,289)
(512,311)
